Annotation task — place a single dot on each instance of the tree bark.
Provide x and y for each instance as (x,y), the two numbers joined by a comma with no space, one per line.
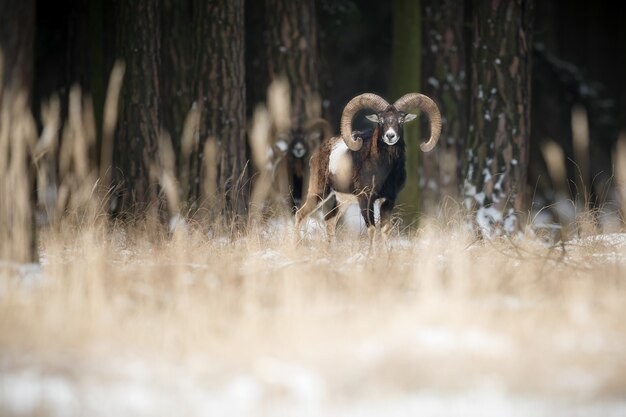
(17,36)
(257,77)
(291,49)
(219,87)
(406,58)
(176,66)
(136,145)
(445,81)
(497,151)
(18,237)
(97,68)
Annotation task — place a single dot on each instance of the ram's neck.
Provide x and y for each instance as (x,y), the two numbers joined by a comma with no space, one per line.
(374,146)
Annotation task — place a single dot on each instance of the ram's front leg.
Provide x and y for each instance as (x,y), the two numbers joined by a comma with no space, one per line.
(385,217)
(366,204)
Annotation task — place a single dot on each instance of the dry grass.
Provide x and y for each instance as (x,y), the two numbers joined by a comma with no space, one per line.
(430,313)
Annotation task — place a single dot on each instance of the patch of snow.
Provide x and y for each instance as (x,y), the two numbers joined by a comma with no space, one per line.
(617,240)
(278,387)
(486,218)
(510,222)
(483,402)
(434,82)
(486,174)
(244,389)
(24,392)
(303,385)
(30,275)
(480,198)
(442,339)
(352,221)
(282,145)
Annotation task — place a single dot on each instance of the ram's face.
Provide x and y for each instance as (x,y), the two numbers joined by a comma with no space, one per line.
(391,123)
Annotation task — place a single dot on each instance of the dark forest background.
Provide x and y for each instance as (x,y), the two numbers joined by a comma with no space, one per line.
(561,56)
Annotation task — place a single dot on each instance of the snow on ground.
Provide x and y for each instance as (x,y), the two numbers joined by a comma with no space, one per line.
(609,240)
(270,388)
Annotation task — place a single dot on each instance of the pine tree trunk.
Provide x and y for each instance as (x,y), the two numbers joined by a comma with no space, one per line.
(257,78)
(291,42)
(445,81)
(406,57)
(17,36)
(18,232)
(97,69)
(138,43)
(497,151)
(219,87)
(176,69)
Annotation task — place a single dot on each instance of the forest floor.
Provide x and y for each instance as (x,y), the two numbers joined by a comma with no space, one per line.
(430,323)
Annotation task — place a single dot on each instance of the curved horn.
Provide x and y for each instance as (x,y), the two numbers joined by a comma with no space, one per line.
(425,104)
(363,101)
(323,124)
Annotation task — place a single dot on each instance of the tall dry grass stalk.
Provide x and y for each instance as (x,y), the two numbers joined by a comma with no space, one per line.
(18,137)
(209,184)
(61,162)
(45,159)
(555,161)
(259,134)
(189,141)
(165,171)
(278,103)
(580,136)
(269,125)
(110,121)
(619,163)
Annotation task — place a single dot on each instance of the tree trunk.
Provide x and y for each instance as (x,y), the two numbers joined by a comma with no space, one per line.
(138,44)
(406,58)
(291,48)
(17,132)
(257,78)
(497,151)
(97,68)
(176,69)
(445,81)
(219,87)
(17,36)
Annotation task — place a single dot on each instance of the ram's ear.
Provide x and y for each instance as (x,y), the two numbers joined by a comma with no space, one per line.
(372,118)
(409,117)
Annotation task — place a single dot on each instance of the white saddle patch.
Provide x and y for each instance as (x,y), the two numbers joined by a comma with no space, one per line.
(337,157)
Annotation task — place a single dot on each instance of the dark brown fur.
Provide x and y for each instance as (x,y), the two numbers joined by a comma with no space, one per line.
(297,169)
(378,171)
